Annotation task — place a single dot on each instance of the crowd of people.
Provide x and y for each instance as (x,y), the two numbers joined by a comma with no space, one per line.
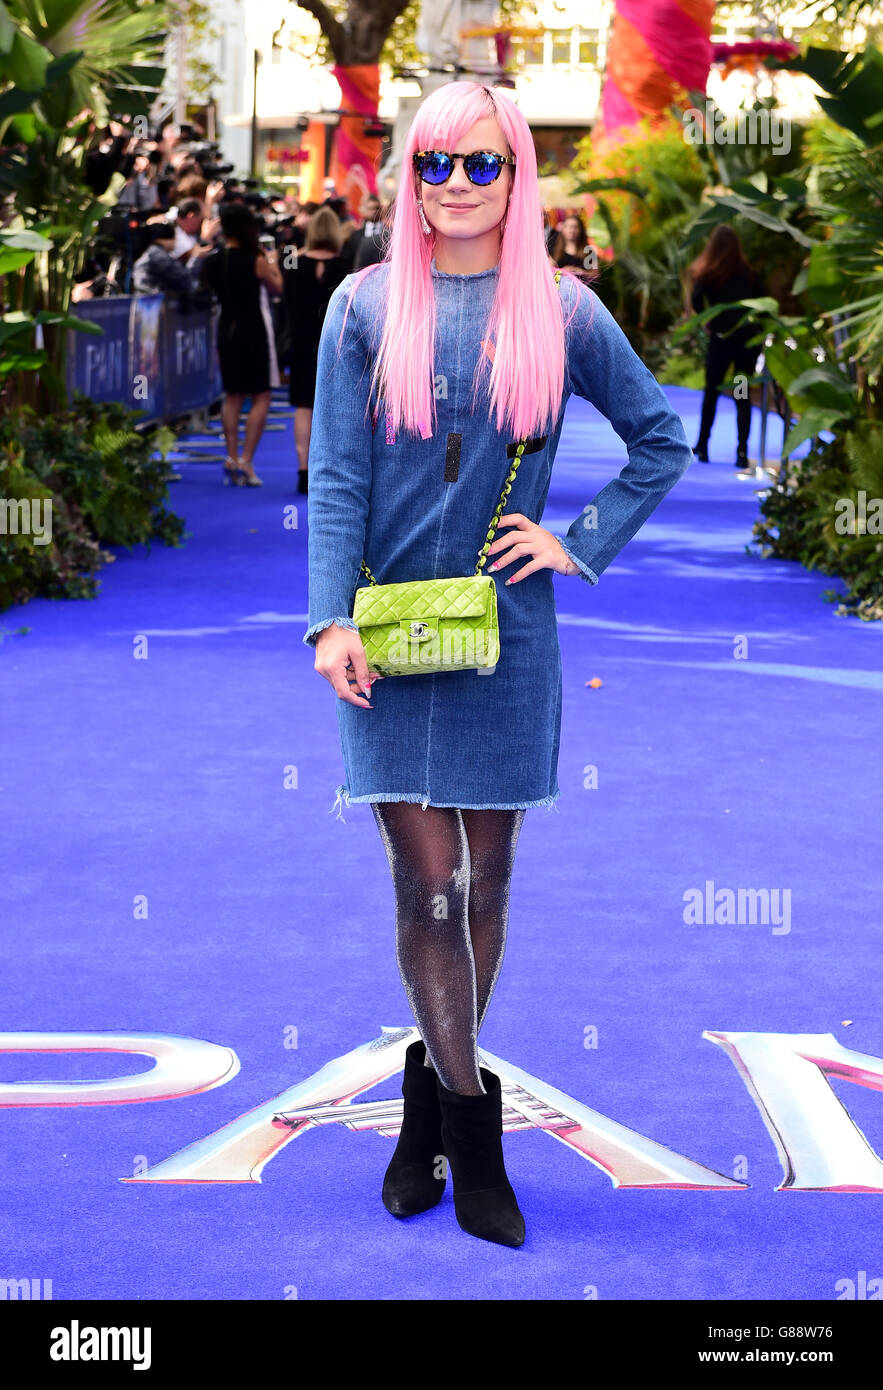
(184,226)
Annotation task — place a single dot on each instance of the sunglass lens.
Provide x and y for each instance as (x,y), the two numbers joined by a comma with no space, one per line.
(481,168)
(435,168)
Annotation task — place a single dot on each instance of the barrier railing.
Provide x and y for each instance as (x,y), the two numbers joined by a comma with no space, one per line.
(153,356)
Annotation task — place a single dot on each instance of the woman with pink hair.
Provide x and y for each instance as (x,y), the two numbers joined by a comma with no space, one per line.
(433,365)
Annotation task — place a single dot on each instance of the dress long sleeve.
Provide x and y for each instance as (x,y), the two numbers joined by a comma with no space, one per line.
(339,468)
(603,368)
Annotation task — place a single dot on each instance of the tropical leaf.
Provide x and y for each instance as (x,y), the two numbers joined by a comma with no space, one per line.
(26,62)
(25,239)
(811,423)
(21,360)
(769,212)
(854,86)
(7,30)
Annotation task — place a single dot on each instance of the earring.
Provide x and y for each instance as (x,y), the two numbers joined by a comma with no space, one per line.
(423,222)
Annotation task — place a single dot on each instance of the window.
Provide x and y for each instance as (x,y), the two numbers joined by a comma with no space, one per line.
(561,46)
(528,53)
(587,49)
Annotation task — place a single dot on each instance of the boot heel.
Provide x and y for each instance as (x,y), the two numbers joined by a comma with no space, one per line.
(472,1135)
(416,1177)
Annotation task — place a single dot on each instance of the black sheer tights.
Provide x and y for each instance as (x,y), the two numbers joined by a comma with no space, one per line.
(451,871)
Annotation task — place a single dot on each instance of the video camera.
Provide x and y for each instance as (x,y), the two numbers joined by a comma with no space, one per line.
(125,229)
(207,154)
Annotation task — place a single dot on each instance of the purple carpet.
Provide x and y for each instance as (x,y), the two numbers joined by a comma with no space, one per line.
(171,868)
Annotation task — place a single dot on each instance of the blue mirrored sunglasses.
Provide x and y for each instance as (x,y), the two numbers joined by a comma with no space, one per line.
(482,167)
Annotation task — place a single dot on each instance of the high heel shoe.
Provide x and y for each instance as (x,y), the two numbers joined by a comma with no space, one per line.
(249,477)
(302,480)
(415,1179)
(472,1136)
(701,452)
(232,475)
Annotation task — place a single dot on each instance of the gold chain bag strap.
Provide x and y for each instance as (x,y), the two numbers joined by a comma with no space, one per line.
(424,626)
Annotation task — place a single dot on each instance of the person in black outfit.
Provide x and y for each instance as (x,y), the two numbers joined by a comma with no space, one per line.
(569,245)
(301,222)
(308,287)
(156,271)
(241,273)
(348,232)
(110,157)
(369,243)
(721,274)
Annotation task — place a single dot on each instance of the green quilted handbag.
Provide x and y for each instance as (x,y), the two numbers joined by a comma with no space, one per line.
(429,625)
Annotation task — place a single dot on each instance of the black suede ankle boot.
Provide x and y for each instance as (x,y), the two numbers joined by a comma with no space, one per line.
(415,1178)
(472,1135)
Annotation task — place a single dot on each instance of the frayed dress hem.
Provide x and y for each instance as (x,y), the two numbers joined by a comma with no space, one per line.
(343,798)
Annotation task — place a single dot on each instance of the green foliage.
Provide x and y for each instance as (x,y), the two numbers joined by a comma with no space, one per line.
(76,56)
(853,85)
(646,190)
(105,488)
(812,224)
(800,516)
(842,24)
(679,364)
(196,17)
(65,65)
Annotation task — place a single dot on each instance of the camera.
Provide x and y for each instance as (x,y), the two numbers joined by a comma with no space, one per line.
(207,154)
(125,229)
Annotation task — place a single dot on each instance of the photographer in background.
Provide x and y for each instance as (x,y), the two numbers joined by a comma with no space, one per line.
(190,186)
(140,191)
(111,156)
(157,272)
(190,215)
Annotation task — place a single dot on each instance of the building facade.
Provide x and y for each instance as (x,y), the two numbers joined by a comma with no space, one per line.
(277,108)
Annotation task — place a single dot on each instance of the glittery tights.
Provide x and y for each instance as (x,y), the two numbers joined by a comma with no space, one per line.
(451,871)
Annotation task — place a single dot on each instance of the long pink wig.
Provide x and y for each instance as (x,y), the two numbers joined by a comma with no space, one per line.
(525,323)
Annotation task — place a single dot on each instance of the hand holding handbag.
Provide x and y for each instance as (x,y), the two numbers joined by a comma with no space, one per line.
(425,626)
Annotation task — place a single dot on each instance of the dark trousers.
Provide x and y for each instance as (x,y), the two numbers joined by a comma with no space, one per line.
(720,354)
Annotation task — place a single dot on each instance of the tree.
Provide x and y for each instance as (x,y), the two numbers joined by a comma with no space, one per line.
(396,44)
(356,32)
(844,24)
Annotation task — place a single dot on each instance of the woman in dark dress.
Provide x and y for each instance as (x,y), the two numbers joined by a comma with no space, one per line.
(569,246)
(720,275)
(241,274)
(308,286)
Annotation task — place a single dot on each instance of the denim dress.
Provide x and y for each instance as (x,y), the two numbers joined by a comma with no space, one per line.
(420,509)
